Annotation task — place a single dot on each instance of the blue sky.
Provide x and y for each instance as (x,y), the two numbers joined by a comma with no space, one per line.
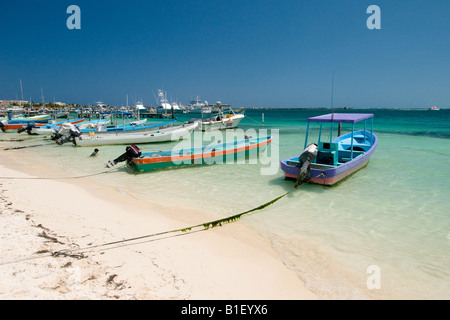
(243,52)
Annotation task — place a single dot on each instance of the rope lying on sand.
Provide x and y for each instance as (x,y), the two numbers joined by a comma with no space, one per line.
(203,226)
(78,253)
(55,178)
(60,178)
(24,147)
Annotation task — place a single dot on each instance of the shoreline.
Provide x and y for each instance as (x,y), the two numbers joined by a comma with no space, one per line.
(232,262)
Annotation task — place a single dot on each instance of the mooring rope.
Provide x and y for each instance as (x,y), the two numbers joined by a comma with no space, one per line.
(57,178)
(78,253)
(61,178)
(24,147)
(186,230)
(11,140)
(204,226)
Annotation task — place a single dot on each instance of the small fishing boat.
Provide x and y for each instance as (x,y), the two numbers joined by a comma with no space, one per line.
(328,162)
(44,128)
(163,135)
(222,120)
(197,106)
(226,152)
(92,124)
(134,126)
(35,128)
(13,124)
(68,132)
(44,118)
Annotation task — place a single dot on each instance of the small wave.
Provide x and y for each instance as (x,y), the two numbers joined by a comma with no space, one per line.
(422,133)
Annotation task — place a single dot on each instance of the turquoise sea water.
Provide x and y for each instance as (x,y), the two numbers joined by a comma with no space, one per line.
(382,233)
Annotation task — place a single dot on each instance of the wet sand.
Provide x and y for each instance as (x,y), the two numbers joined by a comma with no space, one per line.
(53,234)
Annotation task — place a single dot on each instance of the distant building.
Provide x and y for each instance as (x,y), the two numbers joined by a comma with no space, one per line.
(7,103)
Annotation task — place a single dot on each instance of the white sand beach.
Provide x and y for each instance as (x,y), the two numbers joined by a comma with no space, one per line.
(43,216)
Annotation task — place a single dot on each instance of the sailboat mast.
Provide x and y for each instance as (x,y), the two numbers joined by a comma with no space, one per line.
(21,92)
(332,107)
(332,95)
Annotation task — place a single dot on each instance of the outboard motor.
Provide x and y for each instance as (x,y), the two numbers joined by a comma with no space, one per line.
(2,125)
(305,160)
(28,128)
(131,153)
(60,132)
(56,135)
(67,132)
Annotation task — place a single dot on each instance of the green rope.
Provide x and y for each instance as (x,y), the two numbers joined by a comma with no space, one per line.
(24,147)
(203,226)
(59,178)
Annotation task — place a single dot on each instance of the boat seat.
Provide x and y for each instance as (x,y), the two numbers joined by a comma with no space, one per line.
(346,147)
(345,155)
(327,153)
(321,166)
(328,146)
(292,163)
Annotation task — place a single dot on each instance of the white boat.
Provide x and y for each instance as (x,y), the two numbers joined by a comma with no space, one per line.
(222,120)
(139,108)
(50,127)
(433,108)
(89,124)
(197,106)
(163,135)
(68,131)
(164,104)
(102,125)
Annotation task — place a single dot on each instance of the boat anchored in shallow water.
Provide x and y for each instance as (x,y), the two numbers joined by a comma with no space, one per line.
(332,161)
(221,119)
(14,124)
(220,153)
(159,135)
(68,132)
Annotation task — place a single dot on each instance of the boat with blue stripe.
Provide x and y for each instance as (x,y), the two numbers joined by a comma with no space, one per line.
(329,162)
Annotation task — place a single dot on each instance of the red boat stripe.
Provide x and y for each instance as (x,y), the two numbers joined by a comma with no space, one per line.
(199,156)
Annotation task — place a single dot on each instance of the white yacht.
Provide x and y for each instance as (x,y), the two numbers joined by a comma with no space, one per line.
(197,106)
(221,120)
(164,104)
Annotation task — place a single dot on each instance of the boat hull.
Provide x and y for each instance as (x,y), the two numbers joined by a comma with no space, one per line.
(128,128)
(154,136)
(40,128)
(327,177)
(37,119)
(227,123)
(327,174)
(50,128)
(215,154)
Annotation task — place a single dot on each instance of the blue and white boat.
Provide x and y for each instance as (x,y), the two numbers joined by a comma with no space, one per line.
(328,162)
(135,126)
(68,132)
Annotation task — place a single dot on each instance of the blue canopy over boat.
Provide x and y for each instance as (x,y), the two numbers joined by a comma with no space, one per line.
(332,161)
(342,117)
